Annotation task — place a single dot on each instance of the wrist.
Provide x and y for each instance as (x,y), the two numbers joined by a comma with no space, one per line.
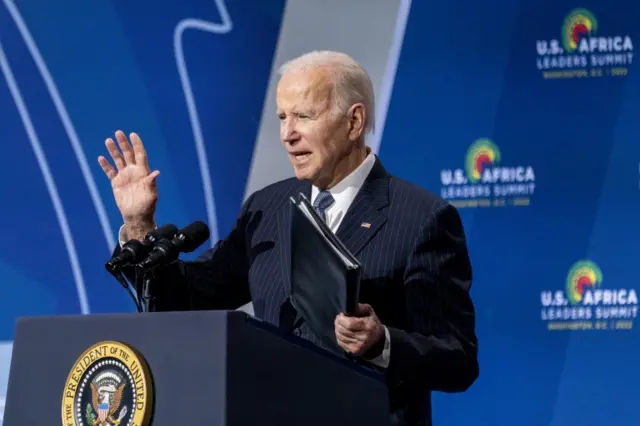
(378,346)
(137,229)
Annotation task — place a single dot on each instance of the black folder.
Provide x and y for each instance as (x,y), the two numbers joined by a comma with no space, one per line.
(325,276)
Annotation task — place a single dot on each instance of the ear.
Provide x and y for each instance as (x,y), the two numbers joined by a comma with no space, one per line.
(356,117)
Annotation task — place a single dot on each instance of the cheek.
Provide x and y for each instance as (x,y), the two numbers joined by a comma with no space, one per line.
(309,137)
(317,138)
(319,147)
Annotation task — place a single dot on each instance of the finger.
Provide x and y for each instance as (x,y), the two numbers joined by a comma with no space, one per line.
(125,147)
(352,323)
(348,341)
(138,149)
(107,168)
(352,348)
(345,332)
(357,350)
(345,346)
(115,154)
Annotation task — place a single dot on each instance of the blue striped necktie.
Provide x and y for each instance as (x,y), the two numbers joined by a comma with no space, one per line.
(323,201)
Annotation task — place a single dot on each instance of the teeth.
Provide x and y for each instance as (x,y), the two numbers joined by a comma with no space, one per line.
(301,157)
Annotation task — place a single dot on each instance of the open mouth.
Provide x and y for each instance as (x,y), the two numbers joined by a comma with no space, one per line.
(300,157)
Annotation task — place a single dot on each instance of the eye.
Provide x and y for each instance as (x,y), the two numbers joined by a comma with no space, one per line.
(304,115)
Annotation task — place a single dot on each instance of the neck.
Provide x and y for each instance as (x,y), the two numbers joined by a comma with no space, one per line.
(345,166)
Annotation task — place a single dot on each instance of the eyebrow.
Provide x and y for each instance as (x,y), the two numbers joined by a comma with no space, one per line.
(310,112)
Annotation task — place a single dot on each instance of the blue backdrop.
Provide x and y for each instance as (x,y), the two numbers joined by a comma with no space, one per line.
(522,112)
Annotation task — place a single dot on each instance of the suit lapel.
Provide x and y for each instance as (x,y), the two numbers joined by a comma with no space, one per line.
(364,218)
(284,230)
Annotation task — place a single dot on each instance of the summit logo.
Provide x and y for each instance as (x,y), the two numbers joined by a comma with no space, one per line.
(583,51)
(485,181)
(586,303)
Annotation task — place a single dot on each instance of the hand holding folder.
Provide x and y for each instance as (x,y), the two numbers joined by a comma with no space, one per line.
(325,276)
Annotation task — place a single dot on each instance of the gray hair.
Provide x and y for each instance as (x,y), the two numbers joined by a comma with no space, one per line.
(352,83)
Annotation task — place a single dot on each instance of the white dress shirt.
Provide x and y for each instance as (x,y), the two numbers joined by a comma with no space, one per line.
(344,193)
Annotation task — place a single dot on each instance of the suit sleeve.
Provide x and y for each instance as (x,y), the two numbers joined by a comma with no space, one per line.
(217,279)
(436,348)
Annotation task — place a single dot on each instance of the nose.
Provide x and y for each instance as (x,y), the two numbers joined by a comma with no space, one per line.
(288,131)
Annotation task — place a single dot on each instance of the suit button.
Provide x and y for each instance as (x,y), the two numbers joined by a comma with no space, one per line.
(296,332)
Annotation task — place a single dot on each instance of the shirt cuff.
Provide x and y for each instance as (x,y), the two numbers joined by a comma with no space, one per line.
(122,237)
(382,360)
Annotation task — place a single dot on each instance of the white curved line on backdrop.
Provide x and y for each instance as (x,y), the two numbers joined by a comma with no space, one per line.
(214,28)
(390,74)
(66,122)
(48,178)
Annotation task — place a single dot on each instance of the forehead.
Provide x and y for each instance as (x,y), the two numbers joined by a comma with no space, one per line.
(309,87)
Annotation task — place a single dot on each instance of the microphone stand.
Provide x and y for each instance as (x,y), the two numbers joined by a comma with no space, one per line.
(145,277)
(119,276)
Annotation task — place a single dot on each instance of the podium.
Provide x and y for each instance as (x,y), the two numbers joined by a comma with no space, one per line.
(209,368)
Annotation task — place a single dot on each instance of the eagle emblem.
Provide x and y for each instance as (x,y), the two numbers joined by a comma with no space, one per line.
(106,398)
(109,385)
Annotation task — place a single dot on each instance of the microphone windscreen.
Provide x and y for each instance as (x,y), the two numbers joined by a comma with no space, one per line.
(193,236)
(166,231)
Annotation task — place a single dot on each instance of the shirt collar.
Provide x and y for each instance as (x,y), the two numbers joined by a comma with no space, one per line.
(345,191)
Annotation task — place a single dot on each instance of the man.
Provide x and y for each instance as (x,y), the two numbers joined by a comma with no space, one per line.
(416,319)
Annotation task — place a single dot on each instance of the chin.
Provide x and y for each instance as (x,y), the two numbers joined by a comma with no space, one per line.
(305,173)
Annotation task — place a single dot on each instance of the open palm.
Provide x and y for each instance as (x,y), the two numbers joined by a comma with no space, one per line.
(132,181)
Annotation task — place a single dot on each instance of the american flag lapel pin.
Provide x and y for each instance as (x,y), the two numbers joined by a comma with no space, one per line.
(365,225)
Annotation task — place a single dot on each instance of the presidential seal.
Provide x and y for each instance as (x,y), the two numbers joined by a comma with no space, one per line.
(109,385)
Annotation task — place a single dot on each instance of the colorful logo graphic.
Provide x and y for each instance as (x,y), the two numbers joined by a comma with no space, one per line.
(482,154)
(109,384)
(580,23)
(587,304)
(484,181)
(583,51)
(583,274)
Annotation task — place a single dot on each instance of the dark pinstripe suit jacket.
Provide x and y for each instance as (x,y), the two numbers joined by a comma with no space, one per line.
(416,276)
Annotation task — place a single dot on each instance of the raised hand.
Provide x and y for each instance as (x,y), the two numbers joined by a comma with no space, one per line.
(133,183)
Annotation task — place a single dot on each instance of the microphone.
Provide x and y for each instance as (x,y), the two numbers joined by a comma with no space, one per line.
(134,251)
(186,240)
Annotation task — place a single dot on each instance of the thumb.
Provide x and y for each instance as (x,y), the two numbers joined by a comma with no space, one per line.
(151,179)
(364,310)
